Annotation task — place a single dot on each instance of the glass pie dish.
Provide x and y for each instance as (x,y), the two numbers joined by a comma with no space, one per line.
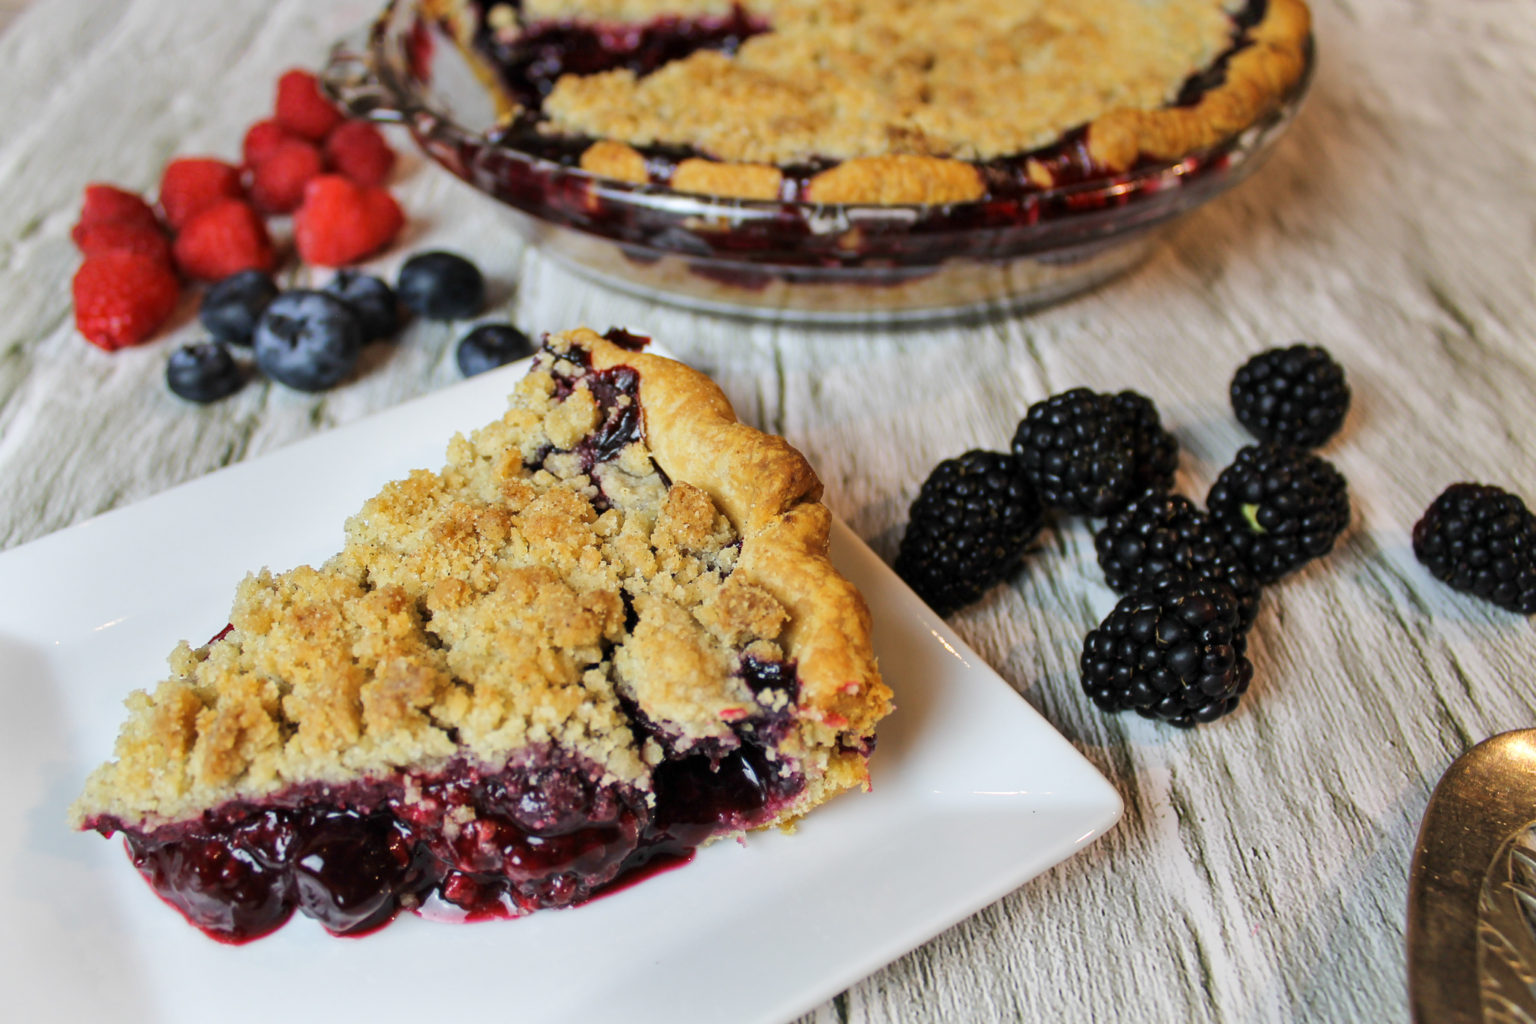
(781,258)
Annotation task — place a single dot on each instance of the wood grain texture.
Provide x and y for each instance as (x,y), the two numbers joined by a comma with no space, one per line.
(1259,873)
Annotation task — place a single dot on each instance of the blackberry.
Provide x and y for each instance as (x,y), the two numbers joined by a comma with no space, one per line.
(1089,453)
(1227,565)
(1481,540)
(1294,396)
(1174,651)
(1159,532)
(1154,452)
(968,528)
(1280,507)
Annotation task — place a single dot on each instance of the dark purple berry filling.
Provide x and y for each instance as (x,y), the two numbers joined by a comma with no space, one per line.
(534,60)
(465,843)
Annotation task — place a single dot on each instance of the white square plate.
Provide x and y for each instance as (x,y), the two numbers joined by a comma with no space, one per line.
(974,794)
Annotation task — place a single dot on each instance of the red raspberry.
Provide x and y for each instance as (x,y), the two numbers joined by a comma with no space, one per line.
(277,183)
(342,221)
(190,185)
(301,108)
(262,140)
(358,150)
(122,297)
(225,239)
(134,236)
(109,203)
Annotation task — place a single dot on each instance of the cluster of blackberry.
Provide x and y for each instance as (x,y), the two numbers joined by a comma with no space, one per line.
(1174,648)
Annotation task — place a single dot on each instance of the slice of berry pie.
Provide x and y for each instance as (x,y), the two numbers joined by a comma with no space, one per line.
(605,633)
(879,101)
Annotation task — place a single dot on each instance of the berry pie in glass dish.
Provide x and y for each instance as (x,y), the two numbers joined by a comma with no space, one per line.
(604,634)
(829,160)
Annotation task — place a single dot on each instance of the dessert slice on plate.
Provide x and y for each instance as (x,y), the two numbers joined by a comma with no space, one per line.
(605,633)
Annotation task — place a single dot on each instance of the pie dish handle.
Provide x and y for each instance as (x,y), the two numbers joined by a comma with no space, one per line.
(356,81)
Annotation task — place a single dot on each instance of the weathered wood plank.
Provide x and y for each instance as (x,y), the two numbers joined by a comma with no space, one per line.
(1259,872)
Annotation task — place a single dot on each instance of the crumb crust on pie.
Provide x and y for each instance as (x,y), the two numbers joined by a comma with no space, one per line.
(908,104)
(481,611)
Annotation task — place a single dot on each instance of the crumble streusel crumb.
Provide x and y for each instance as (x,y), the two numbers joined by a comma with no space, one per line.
(517,598)
(966,79)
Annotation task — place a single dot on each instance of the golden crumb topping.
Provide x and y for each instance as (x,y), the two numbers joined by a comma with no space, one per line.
(548,573)
(966,79)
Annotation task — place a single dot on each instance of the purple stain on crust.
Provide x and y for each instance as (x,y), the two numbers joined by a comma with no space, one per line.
(616,391)
(626,340)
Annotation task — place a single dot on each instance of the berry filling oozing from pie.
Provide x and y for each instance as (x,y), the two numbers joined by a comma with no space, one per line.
(533,677)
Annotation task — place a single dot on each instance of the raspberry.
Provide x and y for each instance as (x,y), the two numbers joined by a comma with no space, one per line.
(277,183)
(223,240)
(192,184)
(357,149)
(301,108)
(262,140)
(341,222)
(122,297)
(104,203)
(132,235)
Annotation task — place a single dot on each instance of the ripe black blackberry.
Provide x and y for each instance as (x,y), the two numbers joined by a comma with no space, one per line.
(1294,396)
(1088,453)
(1280,507)
(1154,452)
(1174,651)
(1481,540)
(1160,532)
(968,529)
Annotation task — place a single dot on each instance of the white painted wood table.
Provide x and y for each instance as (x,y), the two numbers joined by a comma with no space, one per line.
(1259,873)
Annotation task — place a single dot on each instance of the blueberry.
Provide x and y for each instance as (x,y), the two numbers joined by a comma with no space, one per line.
(232,306)
(377,309)
(308,340)
(204,372)
(441,286)
(491,345)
